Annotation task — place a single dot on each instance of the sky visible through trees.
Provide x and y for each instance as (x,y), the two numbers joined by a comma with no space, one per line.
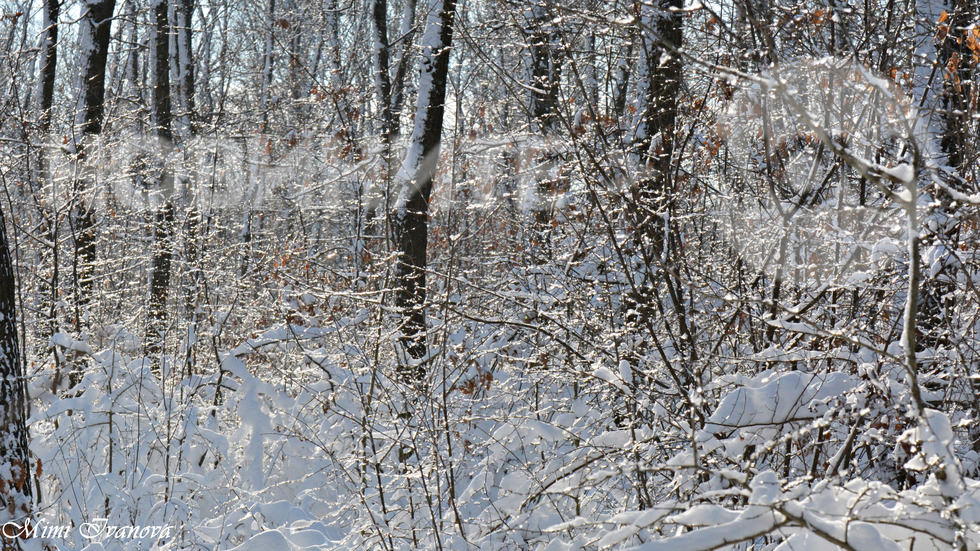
(489,274)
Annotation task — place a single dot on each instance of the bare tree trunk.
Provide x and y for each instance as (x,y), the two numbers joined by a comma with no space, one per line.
(346,113)
(659,85)
(957,141)
(544,59)
(398,84)
(415,187)
(545,68)
(265,100)
(382,78)
(268,59)
(297,80)
(955,61)
(15,470)
(653,143)
(161,119)
(93,41)
(184,15)
(93,47)
(204,101)
(373,197)
(48,45)
(591,73)
(184,18)
(621,78)
(343,107)
(49,61)
(161,114)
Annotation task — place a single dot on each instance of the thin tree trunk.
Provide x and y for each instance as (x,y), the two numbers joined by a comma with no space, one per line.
(544,78)
(184,15)
(93,47)
(131,72)
(346,113)
(398,83)
(297,80)
(955,61)
(48,45)
(49,61)
(161,121)
(545,68)
(621,78)
(370,198)
(653,141)
(382,78)
(591,73)
(192,222)
(161,114)
(202,81)
(15,471)
(268,63)
(93,43)
(268,59)
(415,187)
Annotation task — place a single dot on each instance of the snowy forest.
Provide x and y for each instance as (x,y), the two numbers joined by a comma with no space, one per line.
(542,275)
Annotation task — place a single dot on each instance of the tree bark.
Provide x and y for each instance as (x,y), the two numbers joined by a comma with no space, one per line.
(93,41)
(398,84)
(545,68)
(49,61)
(955,62)
(15,471)
(186,90)
(48,45)
(415,187)
(93,44)
(268,60)
(659,81)
(161,114)
(161,119)
(184,14)
(957,141)
(659,85)
(382,78)
(544,59)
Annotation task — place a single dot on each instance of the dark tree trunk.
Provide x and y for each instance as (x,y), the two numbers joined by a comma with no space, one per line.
(345,123)
(398,84)
(192,221)
(621,80)
(160,110)
(268,60)
(545,68)
(544,59)
(160,276)
(161,121)
(658,85)
(93,40)
(15,471)
(382,78)
(48,45)
(956,62)
(185,61)
(958,143)
(49,62)
(374,197)
(415,190)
